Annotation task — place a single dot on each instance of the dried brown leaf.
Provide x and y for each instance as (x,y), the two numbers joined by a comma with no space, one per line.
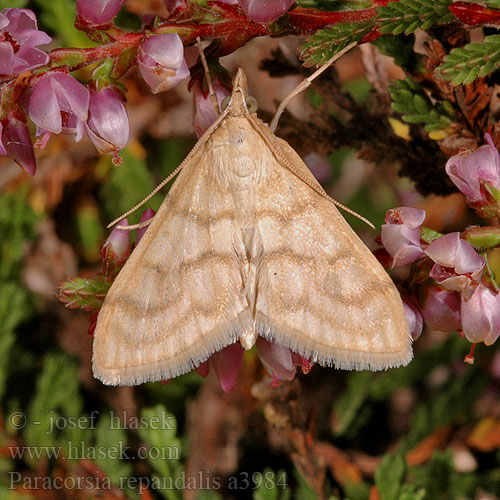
(485,435)
(424,450)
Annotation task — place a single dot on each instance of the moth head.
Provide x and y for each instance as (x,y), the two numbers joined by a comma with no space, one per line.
(250,103)
(240,82)
(239,101)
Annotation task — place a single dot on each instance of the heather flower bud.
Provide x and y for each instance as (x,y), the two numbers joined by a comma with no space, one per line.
(227,365)
(477,175)
(440,309)
(19,36)
(451,251)
(107,124)
(414,318)
(59,104)
(276,359)
(97,13)
(265,12)
(481,316)
(457,265)
(204,114)
(203,369)
(400,234)
(161,61)
(304,363)
(16,140)
(119,240)
(84,293)
(173,5)
(149,213)
(115,250)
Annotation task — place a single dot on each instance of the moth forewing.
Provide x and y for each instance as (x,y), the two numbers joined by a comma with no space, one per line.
(242,245)
(322,293)
(180,295)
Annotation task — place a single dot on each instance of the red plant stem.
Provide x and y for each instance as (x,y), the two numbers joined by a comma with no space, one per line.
(304,21)
(469,358)
(234,29)
(231,30)
(473,13)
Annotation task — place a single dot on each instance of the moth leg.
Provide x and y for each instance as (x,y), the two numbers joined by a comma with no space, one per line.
(305,83)
(131,227)
(213,97)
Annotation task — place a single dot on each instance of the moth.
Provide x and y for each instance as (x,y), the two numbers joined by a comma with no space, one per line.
(246,243)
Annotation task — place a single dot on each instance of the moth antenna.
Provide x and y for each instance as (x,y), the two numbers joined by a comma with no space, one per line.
(305,83)
(329,198)
(352,212)
(131,227)
(213,97)
(305,180)
(201,140)
(148,197)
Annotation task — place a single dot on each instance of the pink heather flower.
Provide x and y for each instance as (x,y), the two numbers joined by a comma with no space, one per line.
(457,265)
(265,11)
(414,318)
(117,243)
(94,13)
(383,257)
(276,359)
(279,361)
(319,166)
(147,20)
(161,61)
(173,5)
(19,36)
(59,104)
(149,213)
(227,365)
(16,141)
(441,309)
(400,234)
(481,316)
(470,171)
(204,114)
(107,124)
(203,369)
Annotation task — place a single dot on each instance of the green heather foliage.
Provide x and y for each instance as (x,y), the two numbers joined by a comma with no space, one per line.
(13,3)
(405,16)
(409,99)
(473,61)
(163,439)
(17,223)
(127,185)
(401,49)
(324,44)
(54,16)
